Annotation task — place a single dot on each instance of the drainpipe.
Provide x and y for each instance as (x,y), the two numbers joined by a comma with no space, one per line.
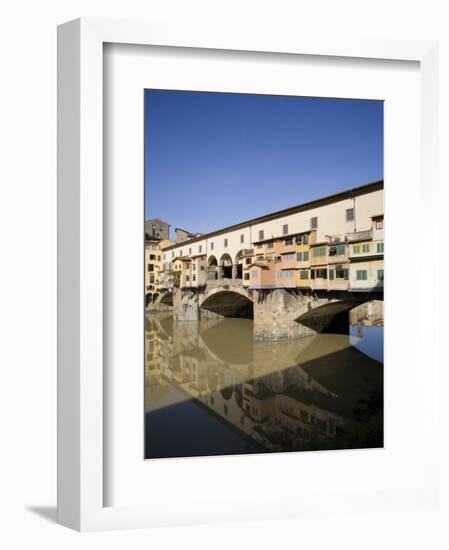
(353,208)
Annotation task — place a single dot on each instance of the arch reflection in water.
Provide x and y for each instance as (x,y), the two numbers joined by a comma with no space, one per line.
(210,389)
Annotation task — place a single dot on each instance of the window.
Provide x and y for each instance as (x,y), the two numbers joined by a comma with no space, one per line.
(165,256)
(242,238)
(365,248)
(356,249)
(190,251)
(211,245)
(341,273)
(285,229)
(331,274)
(288,273)
(299,256)
(320,273)
(380,248)
(254,274)
(288,257)
(303,275)
(248,261)
(150,267)
(180,252)
(261,235)
(200,249)
(225,243)
(319,251)
(361,275)
(187,278)
(288,242)
(380,274)
(161,228)
(379,224)
(246,276)
(152,279)
(350,214)
(314,223)
(305,256)
(336,250)
(194,278)
(173,254)
(270,244)
(305,239)
(194,267)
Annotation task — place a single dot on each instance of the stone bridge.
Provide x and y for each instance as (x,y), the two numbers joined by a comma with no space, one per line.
(278,314)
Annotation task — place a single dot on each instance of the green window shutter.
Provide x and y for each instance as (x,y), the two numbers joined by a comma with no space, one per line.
(299,256)
(331,274)
(346,274)
(306,256)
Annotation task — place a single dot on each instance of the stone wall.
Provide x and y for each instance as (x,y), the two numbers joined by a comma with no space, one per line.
(275,313)
(185,306)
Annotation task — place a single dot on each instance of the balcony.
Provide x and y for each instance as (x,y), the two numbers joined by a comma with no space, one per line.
(318,260)
(338,284)
(359,236)
(287,263)
(318,283)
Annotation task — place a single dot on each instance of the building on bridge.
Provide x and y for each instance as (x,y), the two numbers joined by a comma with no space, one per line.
(153,266)
(333,243)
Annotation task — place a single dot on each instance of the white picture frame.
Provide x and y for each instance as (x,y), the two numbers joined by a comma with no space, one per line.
(81,407)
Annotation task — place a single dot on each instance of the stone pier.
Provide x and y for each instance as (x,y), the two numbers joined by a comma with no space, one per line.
(275,314)
(185,305)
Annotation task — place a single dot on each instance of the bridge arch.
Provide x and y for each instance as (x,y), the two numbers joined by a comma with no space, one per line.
(226,265)
(167,298)
(212,268)
(331,317)
(238,265)
(229,303)
(227,392)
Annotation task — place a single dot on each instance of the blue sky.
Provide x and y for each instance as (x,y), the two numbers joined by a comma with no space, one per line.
(213,159)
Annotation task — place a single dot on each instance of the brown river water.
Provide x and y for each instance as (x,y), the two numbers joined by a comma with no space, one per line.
(210,389)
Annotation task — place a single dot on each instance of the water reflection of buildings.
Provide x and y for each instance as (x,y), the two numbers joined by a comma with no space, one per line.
(292,395)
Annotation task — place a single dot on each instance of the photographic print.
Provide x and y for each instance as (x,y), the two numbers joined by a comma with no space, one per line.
(264,274)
